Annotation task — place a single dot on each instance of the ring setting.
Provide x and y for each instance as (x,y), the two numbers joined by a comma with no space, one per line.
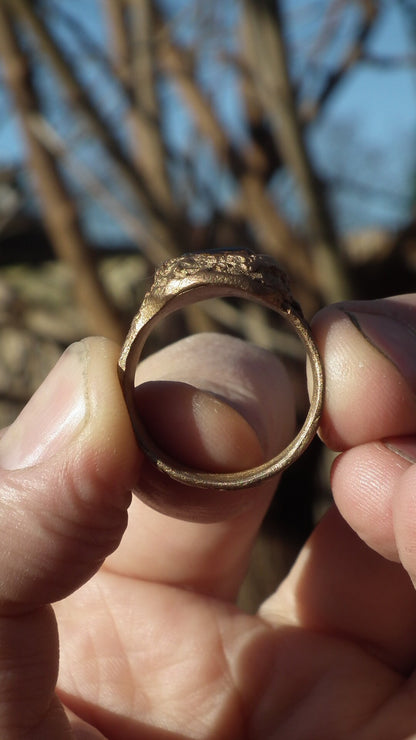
(197,276)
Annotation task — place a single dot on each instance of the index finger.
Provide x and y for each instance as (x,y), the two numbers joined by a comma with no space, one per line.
(369,353)
(369,350)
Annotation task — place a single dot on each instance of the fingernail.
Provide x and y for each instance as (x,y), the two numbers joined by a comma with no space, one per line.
(393,337)
(404,448)
(53,415)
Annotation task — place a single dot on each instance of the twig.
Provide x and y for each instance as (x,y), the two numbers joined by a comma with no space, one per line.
(389,62)
(154,250)
(273,233)
(59,212)
(83,101)
(270,71)
(310,110)
(251,326)
(144,115)
(119,48)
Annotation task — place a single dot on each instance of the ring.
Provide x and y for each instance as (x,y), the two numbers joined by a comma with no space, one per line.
(195,277)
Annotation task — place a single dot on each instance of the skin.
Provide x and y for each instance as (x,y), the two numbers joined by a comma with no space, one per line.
(152,645)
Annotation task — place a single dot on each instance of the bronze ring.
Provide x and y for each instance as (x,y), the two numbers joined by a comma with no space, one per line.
(195,277)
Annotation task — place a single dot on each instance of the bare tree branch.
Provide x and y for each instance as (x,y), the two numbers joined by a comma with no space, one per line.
(389,62)
(270,71)
(119,47)
(133,227)
(310,110)
(84,104)
(131,33)
(273,233)
(330,25)
(267,158)
(145,120)
(58,208)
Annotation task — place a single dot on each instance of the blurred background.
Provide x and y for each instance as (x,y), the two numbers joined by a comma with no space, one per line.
(135,130)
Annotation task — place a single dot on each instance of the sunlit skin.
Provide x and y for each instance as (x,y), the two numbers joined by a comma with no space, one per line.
(151,644)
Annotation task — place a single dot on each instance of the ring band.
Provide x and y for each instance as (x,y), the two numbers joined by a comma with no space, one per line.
(198,276)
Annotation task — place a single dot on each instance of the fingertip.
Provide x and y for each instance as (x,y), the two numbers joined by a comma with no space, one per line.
(250,379)
(372,487)
(200,430)
(363,480)
(219,405)
(197,428)
(69,463)
(404,519)
(367,397)
(217,527)
(108,448)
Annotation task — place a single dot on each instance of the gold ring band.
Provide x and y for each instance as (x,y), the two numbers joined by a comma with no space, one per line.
(198,276)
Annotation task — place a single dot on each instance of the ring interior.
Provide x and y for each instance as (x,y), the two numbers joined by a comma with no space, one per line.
(143,326)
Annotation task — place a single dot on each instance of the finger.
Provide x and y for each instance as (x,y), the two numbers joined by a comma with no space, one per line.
(339,585)
(369,350)
(364,483)
(230,430)
(341,588)
(404,519)
(82,730)
(252,392)
(369,354)
(66,466)
(202,417)
(63,502)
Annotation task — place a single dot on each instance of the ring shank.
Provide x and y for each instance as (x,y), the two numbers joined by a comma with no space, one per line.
(166,298)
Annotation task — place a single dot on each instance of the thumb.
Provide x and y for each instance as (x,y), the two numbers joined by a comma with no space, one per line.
(66,466)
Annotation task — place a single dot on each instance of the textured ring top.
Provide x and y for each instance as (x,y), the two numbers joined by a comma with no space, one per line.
(198,276)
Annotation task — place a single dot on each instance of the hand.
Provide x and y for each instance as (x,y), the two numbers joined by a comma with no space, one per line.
(151,645)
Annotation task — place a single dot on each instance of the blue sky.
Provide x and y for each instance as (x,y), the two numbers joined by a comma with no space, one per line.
(365,133)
